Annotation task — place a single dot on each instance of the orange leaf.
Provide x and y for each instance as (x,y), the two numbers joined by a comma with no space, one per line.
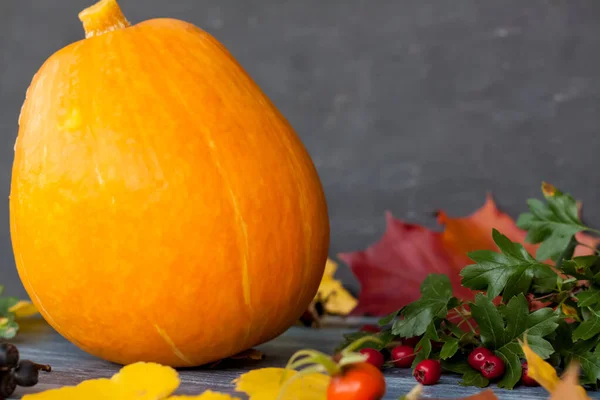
(466,234)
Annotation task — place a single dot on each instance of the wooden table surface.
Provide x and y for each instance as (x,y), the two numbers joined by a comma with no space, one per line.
(39,342)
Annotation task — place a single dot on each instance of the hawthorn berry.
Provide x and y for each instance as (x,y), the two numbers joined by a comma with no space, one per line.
(403,356)
(525,378)
(428,372)
(411,341)
(478,356)
(374,357)
(492,367)
(370,328)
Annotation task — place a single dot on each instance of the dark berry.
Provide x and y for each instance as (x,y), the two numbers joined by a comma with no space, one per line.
(27,373)
(403,356)
(492,367)
(411,341)
(7,384)
(525,378)
(428,372)
(9,355)
(370,328)
(477,357)
(374,357)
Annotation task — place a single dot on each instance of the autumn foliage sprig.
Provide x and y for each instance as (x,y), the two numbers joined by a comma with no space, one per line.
(552,298)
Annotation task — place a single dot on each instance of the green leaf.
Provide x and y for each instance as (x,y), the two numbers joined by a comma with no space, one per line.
(436,292)
(5,304)
(449,349)
(512,271)
(516,315)
(590,362)
(491,325)
(423,354)
(588,298)
(474,378)
(501,327)
(511,354)
(540,346)
(388,318)
(551,224)
(457,365)
(588,328)
(542,322)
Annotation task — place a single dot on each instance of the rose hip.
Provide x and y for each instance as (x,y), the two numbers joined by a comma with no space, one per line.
(477,357)
(428,372)
(403,356)
(525,378)
(492,367)
(374,357)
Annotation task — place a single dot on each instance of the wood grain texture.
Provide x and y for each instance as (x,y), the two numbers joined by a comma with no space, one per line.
(39,342)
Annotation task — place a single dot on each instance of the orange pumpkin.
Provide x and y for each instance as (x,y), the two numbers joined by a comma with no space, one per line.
(161,208)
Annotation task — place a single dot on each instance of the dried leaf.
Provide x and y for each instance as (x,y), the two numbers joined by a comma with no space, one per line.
(250,354)
(403,258)
(23,309)
(466,234)
(416,392)
(336,299)
(407,253)
(485,395)
(139,381)
(538,369)
(266,383)
(546,376)
(568,387)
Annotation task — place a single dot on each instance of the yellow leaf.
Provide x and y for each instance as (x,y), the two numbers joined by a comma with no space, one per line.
(336,299)
(265,384)
(208,395)
(546,376)
(540,370)
(568,387)
(139,381)
(3,322)
(568,310)
(23,309)
(147,381)
(94,389)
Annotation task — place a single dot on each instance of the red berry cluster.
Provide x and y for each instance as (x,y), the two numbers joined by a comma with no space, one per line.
(427,372)
(492,366)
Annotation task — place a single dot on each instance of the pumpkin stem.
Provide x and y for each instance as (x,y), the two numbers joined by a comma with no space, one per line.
(102,17)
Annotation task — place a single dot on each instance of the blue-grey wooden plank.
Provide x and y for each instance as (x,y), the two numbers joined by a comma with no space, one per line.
(70,365)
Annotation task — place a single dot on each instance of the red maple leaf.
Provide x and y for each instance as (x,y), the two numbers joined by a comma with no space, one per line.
(391,270)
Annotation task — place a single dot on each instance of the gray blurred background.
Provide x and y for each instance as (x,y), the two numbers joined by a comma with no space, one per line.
(407,106)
